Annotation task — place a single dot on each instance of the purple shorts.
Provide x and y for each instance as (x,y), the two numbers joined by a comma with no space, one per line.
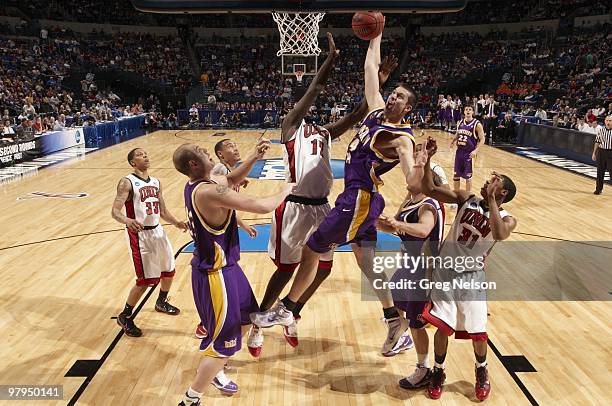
(224,300)
(353,219)
(463,165)
(412,300)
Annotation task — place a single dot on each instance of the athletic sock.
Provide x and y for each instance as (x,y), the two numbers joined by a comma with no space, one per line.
(277,283)
(127,310)
(162,296)
(440,360)
(481,364)
(298,309)
(423,360)
(190,397)
(289,304)
(390,312)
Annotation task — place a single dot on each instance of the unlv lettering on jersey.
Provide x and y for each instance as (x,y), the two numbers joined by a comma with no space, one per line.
(148,191)
(479,221)
(309,130)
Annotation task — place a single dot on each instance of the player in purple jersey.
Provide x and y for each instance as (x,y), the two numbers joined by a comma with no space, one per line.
(221,291)
(382,143)
(419,223)
(469,138)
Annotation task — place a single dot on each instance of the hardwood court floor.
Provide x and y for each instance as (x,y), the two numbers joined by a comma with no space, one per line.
(67,271)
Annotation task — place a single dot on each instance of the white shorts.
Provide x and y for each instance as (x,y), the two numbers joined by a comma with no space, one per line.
(152,255)
(461,312)
(292,225)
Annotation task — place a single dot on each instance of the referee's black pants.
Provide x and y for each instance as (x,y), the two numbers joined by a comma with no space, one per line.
(604,162)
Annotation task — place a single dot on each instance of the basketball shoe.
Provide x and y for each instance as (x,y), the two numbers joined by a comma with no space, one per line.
(397,327)
(482,388)
(201,332)
(255,341)
(224,384)
(419,378)
(291,333)
(193,404)
(128,326)
(404,343)
(435,384)
(274,316)
(166,307)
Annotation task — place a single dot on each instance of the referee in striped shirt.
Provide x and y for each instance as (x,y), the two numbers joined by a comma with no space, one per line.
(603,144)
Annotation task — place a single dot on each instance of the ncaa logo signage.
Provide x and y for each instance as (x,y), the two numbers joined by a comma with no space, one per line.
(274,169)
(77,136)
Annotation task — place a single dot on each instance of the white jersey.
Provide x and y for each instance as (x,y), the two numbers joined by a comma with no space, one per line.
(144,204)
(470,235)
(307,162)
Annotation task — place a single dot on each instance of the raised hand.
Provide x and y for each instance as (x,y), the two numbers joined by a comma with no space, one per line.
(431,147)
(333,52)
(388,65)
(263,145)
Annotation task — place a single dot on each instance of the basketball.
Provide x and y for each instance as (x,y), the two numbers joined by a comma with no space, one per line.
(368,25)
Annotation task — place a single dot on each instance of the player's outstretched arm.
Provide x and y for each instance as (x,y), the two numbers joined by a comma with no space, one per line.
(293,119)
(441,194)
(427,221)
(238,175)
(347,122)
(223,196)
(123,193)
(372,85)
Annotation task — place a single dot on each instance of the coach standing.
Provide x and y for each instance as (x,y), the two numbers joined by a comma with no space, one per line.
(603,144)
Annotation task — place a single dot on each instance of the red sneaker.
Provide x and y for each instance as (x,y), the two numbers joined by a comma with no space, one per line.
(435,384)
(201,332)
(255,341)
(291,333)
(482,388)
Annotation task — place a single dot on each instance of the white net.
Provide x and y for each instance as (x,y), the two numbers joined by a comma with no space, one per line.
(298,33)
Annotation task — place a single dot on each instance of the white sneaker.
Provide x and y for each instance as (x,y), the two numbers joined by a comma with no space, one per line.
(405,343)
(419,378)
(275,316)
(397,327)
(255,341)
(224,384)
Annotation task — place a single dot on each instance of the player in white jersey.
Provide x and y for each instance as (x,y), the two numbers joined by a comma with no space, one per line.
(307,155)
(152,253)
(479,223)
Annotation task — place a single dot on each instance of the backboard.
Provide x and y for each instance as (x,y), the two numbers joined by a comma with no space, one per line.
(327,6)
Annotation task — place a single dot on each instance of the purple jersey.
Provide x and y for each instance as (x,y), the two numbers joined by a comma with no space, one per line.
(215,247)
(413,301)
(467,138)
(364,163)
(409,213)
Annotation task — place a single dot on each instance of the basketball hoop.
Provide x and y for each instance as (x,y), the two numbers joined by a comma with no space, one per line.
(298,33)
